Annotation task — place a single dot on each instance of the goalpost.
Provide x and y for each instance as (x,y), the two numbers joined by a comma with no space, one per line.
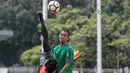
(99,39)
(44,9)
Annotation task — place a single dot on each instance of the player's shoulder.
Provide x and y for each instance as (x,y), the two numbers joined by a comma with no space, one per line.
(57,47)
(40,69)
(69,47)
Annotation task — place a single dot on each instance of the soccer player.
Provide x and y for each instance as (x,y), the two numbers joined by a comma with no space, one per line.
(46,51)
(63,53)
(47,63)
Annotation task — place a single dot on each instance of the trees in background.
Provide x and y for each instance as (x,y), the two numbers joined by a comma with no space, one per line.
(19,16)
(83,35)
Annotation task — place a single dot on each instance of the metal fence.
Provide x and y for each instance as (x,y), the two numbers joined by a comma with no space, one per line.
(75,70)
(22,70)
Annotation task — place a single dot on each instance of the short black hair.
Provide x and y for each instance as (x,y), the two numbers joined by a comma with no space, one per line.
(51,65)
(66,30)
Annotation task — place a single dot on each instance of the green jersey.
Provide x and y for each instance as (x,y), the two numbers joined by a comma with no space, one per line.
(61,54)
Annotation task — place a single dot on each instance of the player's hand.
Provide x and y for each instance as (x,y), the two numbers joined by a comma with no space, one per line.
(81,54)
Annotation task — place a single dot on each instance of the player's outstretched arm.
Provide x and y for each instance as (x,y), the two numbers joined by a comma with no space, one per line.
(80,55)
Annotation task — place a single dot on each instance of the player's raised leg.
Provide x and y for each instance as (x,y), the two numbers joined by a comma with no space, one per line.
(46,54)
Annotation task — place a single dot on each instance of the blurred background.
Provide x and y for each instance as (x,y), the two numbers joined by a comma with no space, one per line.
(20,42)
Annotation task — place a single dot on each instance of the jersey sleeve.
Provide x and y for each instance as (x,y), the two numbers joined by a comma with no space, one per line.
(69,54)
(54,55)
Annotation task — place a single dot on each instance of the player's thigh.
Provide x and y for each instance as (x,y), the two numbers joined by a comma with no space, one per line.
(45,56)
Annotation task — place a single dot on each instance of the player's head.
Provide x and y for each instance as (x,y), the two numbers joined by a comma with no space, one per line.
(51,65)
(64,36)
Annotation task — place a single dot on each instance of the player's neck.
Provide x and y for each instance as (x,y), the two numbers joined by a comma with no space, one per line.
(62,43)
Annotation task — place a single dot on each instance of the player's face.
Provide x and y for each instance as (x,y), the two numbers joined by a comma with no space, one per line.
(63,37)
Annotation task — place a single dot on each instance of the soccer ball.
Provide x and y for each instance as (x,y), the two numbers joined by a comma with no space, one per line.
(53,6)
